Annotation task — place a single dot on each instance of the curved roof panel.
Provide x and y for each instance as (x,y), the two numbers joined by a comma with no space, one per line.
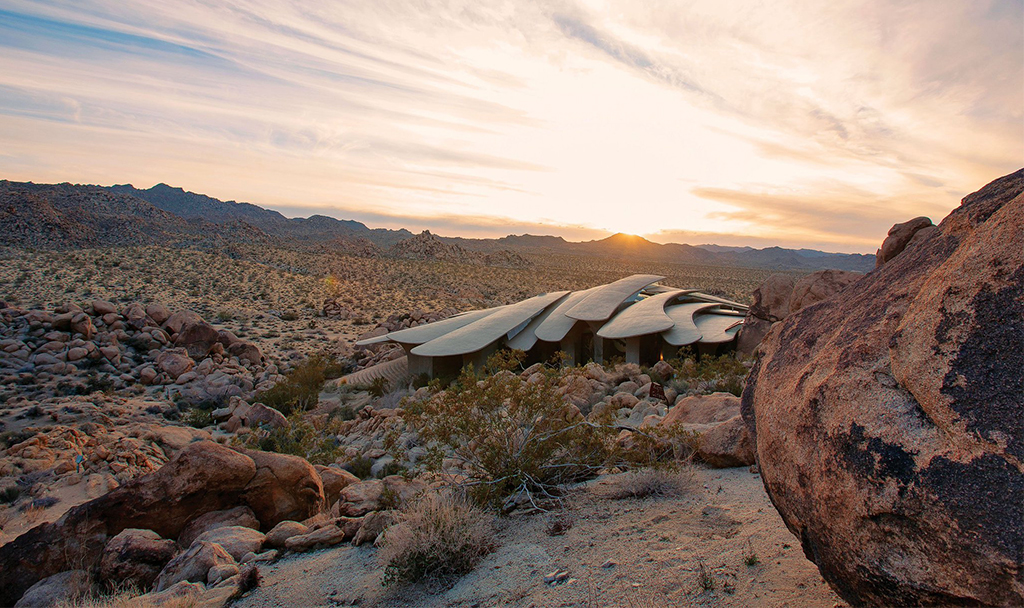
(685,330)
(478,334)
(603,301)
(645,317)
(715,328)
(557,325)
(525,339)
(425,333)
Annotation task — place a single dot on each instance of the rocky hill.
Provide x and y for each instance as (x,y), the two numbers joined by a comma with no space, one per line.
(317,227)
(61,216)
(427,246)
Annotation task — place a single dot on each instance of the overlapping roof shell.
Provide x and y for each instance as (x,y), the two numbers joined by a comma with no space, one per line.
(628,308)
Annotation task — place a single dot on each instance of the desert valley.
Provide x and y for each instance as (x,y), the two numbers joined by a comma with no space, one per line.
(529,304)
(179,427)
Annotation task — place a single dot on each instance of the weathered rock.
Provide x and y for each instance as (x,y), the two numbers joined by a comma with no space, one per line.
(102,307)
(283,531)
(180,319)
(771,298)
(900,235)
(247,352)
(158,312)
(703,409)
(238,516)
(135,557)
(889,424)
(726,444)
(197,338)
(358,499)
(236,540)
(193,565)
(334,480)
(324,537)
(751,333)
(62,587)
(285,488)
(202,477)
(819,286)
(373,525)
(174,362)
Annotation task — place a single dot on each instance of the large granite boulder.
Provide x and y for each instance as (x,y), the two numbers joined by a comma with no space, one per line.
(285,488)
(889,423)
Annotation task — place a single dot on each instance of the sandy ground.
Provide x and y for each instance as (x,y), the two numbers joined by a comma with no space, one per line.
(657,546)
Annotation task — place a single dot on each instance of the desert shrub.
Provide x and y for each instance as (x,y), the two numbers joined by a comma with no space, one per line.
(510,436)
(198,418)
(654,482)
(343,412)
(313,440)
(300,390)
(360,466)
(378,387)
(438,538)
(711,374)
(9,494)
(505,360)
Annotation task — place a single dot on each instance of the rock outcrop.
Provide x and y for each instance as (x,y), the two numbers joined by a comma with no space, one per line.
(889,423)
(781,295)
(202,478)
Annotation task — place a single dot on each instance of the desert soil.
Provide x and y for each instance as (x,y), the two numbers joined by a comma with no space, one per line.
(619,552)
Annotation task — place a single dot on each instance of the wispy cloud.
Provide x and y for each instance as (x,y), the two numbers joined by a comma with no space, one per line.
(772,122)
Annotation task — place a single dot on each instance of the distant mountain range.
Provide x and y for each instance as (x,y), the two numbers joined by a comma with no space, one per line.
(60,216)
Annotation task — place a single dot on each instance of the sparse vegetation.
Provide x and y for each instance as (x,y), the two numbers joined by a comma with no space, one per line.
(439,537)
(301,387)
(312,439)
(513,438)
(654,482)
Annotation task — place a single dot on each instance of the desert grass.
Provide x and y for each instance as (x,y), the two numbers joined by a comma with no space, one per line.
(439,537)
(654,483)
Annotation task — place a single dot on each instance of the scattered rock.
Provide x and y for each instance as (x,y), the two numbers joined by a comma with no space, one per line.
(277,537)
(236,540)
(194,564)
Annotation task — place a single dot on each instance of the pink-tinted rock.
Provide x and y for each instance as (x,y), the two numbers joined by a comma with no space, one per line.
(889,423)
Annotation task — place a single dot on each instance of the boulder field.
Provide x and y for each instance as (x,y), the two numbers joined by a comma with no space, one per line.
(888,422)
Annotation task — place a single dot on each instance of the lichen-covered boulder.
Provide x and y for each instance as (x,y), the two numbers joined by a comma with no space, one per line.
(889,423)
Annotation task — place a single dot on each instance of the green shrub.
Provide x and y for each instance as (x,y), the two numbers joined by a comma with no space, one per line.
(9,494)
(360,467)
(512,437)
(313,440)
(198,418)
(300,390)
(438,538)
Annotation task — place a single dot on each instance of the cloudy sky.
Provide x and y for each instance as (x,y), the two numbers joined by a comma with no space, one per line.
(788,122)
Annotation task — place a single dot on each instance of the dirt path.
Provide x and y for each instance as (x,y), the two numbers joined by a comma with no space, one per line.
(656,546)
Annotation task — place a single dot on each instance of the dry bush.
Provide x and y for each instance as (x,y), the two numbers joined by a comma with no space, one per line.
(656,482)
(511,437)
(127,597)
(439,537)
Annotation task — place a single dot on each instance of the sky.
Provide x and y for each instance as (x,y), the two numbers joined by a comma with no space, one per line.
(790,123)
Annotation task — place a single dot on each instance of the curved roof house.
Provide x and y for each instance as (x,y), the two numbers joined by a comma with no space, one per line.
(633,317)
